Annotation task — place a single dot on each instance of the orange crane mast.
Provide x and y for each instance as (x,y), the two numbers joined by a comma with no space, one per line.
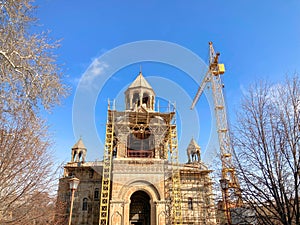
(228,176)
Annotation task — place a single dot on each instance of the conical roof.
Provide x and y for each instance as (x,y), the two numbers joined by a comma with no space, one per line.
(193,144)
(79,144)
(139,82)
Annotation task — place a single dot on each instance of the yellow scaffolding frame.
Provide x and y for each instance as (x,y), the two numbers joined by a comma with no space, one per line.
(107,164)
(176,191)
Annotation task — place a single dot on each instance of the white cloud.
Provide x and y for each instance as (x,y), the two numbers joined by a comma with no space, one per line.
(96,69)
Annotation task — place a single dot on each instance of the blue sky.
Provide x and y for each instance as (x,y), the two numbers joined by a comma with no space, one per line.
(257,39)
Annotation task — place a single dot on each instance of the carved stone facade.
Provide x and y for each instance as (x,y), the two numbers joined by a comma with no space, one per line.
(141,174)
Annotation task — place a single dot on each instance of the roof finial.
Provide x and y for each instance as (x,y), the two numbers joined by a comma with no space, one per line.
(140,68)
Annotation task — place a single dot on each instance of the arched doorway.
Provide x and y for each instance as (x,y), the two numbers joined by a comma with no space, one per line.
(139,208)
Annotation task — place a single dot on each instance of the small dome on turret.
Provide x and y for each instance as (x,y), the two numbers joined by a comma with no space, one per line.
(140,95)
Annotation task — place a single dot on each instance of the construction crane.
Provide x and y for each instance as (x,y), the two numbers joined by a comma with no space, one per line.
(229,182)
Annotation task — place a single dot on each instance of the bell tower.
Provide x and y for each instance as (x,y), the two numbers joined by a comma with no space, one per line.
(140,131)
(140,95)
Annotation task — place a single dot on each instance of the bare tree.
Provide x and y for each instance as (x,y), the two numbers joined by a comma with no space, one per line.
(28,72)
(30,80)
(26,171)
(267,147)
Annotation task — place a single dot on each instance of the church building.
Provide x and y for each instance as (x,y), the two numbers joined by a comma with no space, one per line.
(140,180)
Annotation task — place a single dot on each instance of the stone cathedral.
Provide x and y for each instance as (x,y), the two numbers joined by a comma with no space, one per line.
(140,180)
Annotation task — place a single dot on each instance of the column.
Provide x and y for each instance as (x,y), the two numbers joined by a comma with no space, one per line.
(141,98)
(130,101)
(150,102)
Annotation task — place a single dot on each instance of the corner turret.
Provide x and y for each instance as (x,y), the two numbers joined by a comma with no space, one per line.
(194,152)
(79,152)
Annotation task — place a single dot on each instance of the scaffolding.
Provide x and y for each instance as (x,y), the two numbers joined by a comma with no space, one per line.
(107,164)
(197,202)
(176,212)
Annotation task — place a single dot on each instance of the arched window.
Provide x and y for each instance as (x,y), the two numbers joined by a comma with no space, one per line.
(96,194)
(84,204)
(146,100)
(190,203)
(136,99)
(74,156)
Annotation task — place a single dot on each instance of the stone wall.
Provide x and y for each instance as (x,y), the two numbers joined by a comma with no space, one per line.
(138,175)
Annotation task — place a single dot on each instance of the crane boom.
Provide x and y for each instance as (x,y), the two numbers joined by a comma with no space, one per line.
(200,90)
(228,171)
